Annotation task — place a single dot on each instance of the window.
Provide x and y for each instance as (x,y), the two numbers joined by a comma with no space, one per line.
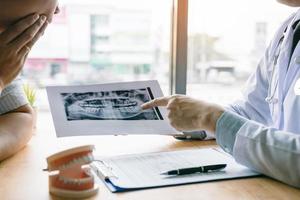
(97,41)
(226,40)
(100,41)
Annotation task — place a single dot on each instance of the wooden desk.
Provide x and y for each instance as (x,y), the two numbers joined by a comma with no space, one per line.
(22,178)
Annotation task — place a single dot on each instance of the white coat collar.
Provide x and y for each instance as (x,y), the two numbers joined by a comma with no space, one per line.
(296,18)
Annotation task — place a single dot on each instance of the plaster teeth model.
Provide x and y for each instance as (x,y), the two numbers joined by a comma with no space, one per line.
(72,178)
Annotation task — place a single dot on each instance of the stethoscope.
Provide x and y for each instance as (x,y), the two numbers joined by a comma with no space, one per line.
(271,92)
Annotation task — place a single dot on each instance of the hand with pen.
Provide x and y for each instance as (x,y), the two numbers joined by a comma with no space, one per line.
(188,114)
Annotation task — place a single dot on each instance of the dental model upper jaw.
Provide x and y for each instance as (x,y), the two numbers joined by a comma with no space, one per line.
(83,158)
(79,155)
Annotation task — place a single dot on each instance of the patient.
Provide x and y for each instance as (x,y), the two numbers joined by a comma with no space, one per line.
(22,23)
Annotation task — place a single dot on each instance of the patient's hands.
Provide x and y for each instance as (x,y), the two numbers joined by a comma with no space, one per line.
(15,44)
(188,114)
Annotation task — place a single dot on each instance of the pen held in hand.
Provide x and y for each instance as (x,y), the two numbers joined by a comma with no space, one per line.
(192,170)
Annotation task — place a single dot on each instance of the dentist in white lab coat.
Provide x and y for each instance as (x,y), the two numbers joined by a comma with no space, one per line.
(261,131)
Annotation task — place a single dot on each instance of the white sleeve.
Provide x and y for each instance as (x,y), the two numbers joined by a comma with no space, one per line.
(266,150)
(12,97)
(269,151)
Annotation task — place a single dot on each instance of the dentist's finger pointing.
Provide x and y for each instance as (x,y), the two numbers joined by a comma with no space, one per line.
(162,101)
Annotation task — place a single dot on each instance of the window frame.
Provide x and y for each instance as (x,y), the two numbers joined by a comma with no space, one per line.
(179,48)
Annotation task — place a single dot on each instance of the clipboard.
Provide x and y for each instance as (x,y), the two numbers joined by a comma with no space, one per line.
(141,171)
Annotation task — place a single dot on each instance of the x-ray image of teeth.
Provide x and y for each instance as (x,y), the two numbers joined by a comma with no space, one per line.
(109,105)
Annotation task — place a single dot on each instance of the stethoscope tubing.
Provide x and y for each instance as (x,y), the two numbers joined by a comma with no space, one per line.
(271,93)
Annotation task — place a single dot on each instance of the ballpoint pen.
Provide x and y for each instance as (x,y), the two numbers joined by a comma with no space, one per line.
(192,170)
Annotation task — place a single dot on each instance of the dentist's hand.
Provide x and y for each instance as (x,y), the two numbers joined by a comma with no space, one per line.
(188,114)
(15,44)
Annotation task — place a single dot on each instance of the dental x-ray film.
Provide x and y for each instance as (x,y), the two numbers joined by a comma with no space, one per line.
(107,109)
(109,105)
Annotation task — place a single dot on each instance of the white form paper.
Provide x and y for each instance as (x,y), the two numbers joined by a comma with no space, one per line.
(143,170)
(108,109)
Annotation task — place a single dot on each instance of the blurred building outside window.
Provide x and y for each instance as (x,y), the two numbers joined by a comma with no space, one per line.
(101,41)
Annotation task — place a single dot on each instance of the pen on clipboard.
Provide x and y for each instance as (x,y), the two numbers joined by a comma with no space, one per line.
(193,170)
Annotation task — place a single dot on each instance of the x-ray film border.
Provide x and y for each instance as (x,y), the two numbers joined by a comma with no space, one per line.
(156,108)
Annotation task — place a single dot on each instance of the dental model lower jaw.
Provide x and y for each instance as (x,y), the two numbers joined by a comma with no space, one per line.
(70,175)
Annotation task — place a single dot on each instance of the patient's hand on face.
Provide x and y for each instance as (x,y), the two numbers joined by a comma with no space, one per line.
(15,44)
(20,31)
(188,114)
